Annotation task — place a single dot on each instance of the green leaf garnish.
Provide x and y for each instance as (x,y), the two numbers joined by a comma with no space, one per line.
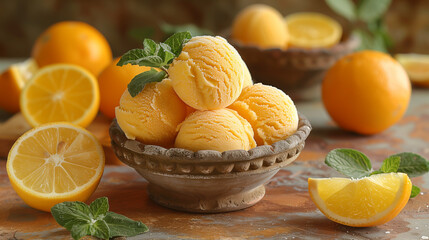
(177,40)
(349,162)
(391,164)
(95,220)
(414,191)
(412,164)
(366,21)
(345,8)
(370,10)
(153,55)
(355,164)
(122,226)
(138,83)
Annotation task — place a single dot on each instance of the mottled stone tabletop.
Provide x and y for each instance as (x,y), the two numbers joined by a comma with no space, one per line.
(286,211)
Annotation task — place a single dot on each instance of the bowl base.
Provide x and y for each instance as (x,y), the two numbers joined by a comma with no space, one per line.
(219,204)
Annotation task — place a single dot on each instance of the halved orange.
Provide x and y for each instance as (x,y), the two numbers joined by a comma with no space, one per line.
(312,30)
(364,202)
(12,80)
(416,66)
(61,92)
(53,163)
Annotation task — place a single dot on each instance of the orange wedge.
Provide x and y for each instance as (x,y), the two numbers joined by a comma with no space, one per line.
(12,80)
(60,92)
(312,30)
(53,163)
(416,66)
(364,202)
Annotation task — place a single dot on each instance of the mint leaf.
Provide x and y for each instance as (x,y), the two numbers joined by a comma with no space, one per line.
(78,231)
(412,164)
(100,229)
(345,8)
(122,226)
(99,207)
(95,220)
(391,164)
(349,162)
(414,191)
(165,53)
(140,57)
(138,83)
(376,172)
(370,10)
(176,42)
(149,47)
(71,212)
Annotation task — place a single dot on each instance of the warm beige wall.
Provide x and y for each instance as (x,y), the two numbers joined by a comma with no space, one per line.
(22,20)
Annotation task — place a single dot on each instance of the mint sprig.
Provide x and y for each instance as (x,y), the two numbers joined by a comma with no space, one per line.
(366,21)
(95,220)
(355,164)
(155,55)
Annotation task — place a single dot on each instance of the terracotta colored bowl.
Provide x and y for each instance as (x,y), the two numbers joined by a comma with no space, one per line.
(296,71)
(208,181)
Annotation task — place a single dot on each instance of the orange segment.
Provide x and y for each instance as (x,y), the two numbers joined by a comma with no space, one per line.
(312,30)
(12,80)
(365,202)
(53,163)
(416,66)
(61,92)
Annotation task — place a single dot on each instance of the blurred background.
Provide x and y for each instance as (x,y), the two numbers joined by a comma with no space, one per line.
(126,23)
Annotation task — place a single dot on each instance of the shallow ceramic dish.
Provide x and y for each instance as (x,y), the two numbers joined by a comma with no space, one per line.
(208,181)
(296,71)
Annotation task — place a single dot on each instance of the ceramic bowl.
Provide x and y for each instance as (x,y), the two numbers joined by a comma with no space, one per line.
(208,181)
(296,71)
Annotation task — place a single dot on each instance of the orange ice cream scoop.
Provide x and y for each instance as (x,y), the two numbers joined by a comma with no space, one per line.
(221,130)
(270,111)
(153,115)
(209,73)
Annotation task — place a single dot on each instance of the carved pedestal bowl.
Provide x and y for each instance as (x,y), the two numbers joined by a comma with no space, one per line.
(208,181)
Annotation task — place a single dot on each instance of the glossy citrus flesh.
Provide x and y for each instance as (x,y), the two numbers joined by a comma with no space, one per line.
(416,66)
(366,92)
(53,163)
(12,80)
(113,81)
(60,92)
(73,43)
(312,30)
(364,202)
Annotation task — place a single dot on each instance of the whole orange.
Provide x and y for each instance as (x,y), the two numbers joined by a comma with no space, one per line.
(74,43)
(113,81)
(366,92)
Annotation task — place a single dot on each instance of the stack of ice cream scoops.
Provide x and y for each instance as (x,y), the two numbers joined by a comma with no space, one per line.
(208,102)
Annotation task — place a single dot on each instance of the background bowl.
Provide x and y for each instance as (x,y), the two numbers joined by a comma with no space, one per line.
(208,181)
(296,71)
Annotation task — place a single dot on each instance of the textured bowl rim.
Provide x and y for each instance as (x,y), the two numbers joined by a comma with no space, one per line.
(210,156)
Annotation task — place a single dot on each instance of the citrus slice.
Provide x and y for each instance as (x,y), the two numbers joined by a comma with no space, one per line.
(312,30)
(53,163)
(416,66)
(12,80)
(364,202)
(60,92)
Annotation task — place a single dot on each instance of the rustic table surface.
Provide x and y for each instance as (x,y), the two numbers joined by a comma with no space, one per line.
(286,211)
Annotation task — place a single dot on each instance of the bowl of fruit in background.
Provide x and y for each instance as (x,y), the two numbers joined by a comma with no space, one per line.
(206,138)
(291,53)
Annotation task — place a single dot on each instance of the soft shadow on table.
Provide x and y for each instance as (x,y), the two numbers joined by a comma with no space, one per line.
(323,227)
